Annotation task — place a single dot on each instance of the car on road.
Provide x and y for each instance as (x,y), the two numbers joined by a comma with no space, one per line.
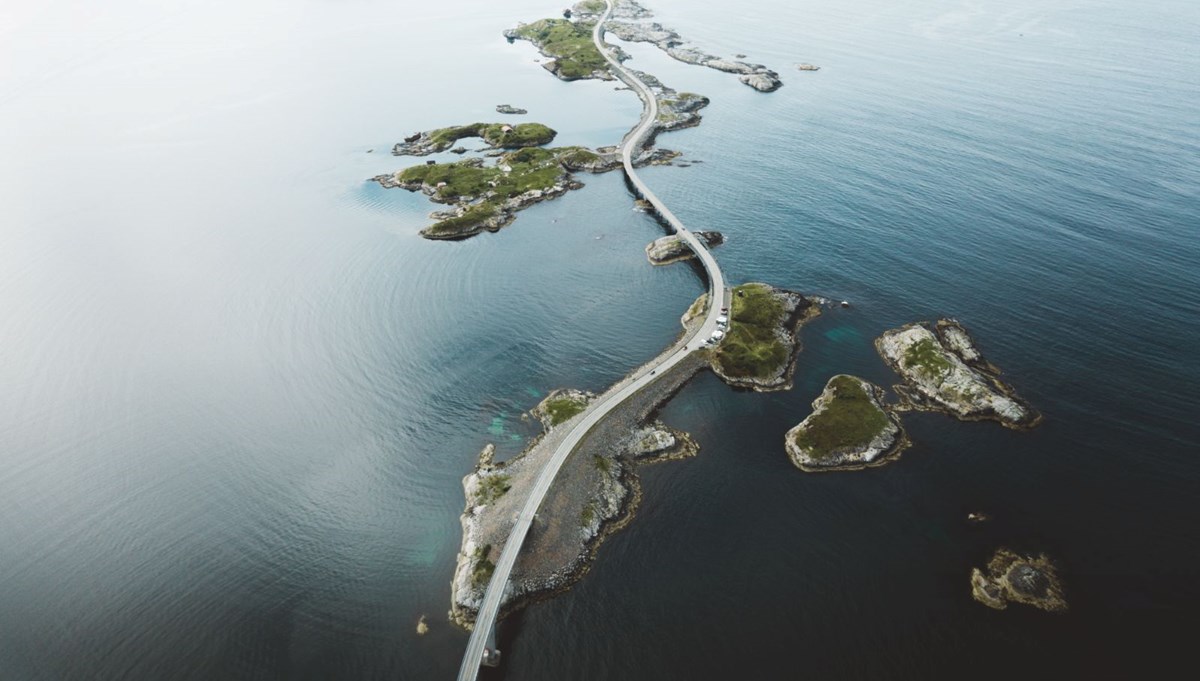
(722,321)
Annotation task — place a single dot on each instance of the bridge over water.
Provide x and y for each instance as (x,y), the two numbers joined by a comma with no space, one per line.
(481,649)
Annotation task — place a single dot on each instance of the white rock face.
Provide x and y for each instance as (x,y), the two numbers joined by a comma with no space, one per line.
(960,343)
(954,386)
(761,81)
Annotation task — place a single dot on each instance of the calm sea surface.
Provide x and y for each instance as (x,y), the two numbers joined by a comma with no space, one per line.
(238,392)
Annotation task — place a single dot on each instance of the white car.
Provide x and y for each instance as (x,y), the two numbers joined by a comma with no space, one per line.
(717,335)
(722,321)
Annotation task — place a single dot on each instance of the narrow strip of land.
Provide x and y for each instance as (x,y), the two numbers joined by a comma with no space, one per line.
(482,637)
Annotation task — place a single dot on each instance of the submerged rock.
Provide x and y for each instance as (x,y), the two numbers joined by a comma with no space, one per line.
(943,371)
(807,67)
(1020,579)
(850,428)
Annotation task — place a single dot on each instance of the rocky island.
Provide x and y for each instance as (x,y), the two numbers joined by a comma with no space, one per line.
(759,349)
(672,248)
(943,371)
(850,428)
(488,197)
(567,43)
(510,110)
(1031,580)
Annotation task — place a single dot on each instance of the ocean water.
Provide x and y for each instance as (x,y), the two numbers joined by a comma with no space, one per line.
(240,392)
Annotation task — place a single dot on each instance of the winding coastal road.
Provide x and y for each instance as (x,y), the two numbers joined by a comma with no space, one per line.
(483,637)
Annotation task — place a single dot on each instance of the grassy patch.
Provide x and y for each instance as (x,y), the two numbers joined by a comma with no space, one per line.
(492,487)
(579,157)
(850,419)
(593,6)
(587,515)
(562,408)
(751,348)
(569,43)
(927,357)
(602,464)
(483,567)
(473,217)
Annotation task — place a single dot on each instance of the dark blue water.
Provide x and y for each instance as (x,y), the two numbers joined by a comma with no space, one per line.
(240,392)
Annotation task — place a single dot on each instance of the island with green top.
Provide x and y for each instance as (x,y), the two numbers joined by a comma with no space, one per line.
(759,348)
(850,428)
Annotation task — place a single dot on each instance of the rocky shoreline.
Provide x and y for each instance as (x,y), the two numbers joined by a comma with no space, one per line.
(851,427)
(596,494)
(672,248)
(630,28)
(1031,580)
(487,198)
(943,371)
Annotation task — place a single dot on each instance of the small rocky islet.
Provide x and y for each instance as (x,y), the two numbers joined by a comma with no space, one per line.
(1012,577)
(943,371)
(850,428)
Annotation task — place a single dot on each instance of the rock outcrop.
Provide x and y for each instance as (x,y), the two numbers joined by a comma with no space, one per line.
(850,428)
(943,371)
(510,110)
(1031,580)
(673,248)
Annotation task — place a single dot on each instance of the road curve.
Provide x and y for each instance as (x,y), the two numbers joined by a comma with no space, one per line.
(485,619)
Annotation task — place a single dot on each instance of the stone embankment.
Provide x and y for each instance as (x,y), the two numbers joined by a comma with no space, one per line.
(595,494)
(943,371)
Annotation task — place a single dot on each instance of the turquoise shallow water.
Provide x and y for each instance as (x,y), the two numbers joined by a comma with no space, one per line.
(240,392)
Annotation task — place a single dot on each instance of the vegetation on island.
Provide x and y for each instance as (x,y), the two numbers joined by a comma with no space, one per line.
(753,346)
(492,487)
(568,42)
(484,567)
(562,408)
(851,418)
(498,135)
(928,357)
(487,188)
